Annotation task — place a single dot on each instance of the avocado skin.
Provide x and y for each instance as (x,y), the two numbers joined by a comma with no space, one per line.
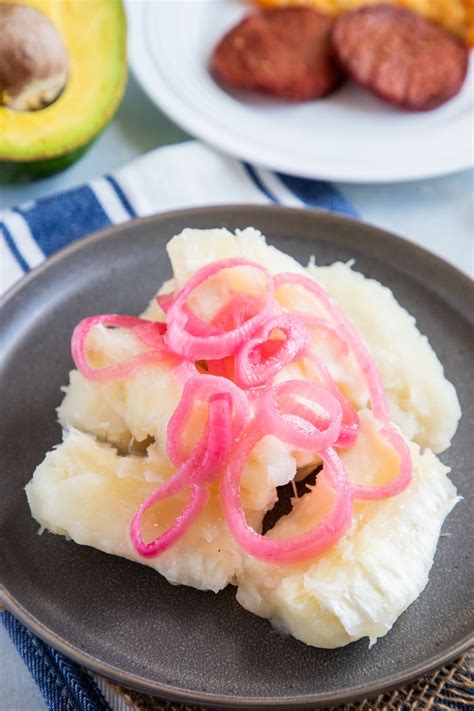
(23,171)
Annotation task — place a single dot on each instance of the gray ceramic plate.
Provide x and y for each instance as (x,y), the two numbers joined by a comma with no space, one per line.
(125,621)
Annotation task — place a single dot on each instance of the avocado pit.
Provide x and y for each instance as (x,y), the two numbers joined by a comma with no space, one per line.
(33,58)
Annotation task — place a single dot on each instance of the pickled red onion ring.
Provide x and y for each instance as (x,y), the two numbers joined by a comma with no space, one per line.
(404,476)
(231,315)
(350,335)
(120,370)
(237,344)
(219,439)
(197,501)
(198,470)
(249,374)
(150,333)
(203,387)
(209,453)
(196,326)
(184,372)
(298,548)
(374,383)
(238,310)
(164,301)
(297,425)
(350,419)
(329,328)
(215,346)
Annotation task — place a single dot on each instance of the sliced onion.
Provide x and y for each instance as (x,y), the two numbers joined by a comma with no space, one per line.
(238,345)
(183,372)
(164,301)
(239,309)
(349,334)
(150,333)
(298,548)
(120,370)
(279,414)
(193,508)
(202,387)
(250,374)
(404,476)
(195,325)
(211,452)
(350,419)
(374,382)
(181,341)
(219,439)
(329,329)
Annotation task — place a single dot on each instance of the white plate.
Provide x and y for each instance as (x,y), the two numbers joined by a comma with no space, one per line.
(349,136)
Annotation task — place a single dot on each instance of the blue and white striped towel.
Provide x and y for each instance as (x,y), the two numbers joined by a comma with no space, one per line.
(185,175)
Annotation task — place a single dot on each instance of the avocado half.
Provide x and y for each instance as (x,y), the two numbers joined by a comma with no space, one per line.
(41,142)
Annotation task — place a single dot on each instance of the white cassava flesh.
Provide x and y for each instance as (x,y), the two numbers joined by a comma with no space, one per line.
(364,583)
(422,402)
(90,486)
(86,491)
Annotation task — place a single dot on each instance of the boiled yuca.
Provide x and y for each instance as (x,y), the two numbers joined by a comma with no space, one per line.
(363,584)
(121,411)
(422,402)
(114,455)
(86,491)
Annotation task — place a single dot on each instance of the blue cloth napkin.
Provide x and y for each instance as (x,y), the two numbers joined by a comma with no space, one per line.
(185,175)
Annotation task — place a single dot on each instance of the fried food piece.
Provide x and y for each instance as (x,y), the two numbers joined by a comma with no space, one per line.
(455,15)
(400,56)
(285,52)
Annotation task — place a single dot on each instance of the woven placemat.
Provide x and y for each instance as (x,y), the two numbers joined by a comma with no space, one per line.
(451,687)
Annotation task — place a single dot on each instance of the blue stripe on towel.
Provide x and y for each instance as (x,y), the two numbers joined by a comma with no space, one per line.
(64,684)
(317,193)
(57,220)
(6,234)
(121,195)
(258,183)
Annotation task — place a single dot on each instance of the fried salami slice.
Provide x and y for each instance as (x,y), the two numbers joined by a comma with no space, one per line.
(400,56)
(285,52)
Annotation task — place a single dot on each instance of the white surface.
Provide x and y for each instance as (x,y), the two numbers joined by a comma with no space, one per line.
(349,136)
(435,213)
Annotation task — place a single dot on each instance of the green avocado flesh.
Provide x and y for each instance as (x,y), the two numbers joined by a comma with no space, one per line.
(38,143)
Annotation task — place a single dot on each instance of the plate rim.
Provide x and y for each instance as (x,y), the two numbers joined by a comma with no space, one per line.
(173,693)
(172,106)
(331,215)
(169,691)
